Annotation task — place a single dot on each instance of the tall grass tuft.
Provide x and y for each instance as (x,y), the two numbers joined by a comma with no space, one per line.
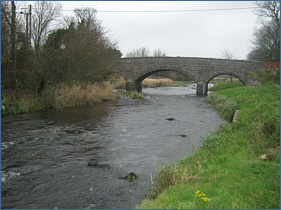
(119,83)
(64,95)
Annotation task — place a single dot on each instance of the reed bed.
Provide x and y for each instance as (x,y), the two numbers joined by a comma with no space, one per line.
(120,83)
(146,83)
(64,95)
(149,82)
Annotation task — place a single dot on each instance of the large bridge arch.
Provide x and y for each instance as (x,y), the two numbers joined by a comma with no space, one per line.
(201,70)
(138,81)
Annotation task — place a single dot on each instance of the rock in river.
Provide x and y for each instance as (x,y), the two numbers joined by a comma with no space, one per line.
(95,164)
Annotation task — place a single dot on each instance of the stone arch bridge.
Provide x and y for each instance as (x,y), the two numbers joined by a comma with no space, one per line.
(200,70)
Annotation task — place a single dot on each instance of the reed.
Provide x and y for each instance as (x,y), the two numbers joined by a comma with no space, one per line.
(79,94)
(119,83)
(148,82)
(59,97)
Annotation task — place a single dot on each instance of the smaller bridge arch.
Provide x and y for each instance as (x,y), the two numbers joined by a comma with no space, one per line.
(230,74)
(201,70)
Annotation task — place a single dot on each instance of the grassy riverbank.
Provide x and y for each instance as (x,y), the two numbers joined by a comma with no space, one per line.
(58,97)
(227,168)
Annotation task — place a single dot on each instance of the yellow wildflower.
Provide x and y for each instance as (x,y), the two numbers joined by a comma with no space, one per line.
(205,199)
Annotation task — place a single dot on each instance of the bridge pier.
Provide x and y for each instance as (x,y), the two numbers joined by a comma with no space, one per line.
(201,88)
(133,86)
(130,86)
(138,86)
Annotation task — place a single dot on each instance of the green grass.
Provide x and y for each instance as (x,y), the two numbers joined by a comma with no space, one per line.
(132,94)
(227,166)
(223,86)
(22,104)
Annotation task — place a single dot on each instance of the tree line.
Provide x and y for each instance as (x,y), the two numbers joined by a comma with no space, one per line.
(78,51)
(266,39)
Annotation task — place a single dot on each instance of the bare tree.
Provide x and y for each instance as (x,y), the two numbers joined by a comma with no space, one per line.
(266,42)
(229,55)
(140,52)
(269,9)
(6,27)
(10,26)
(159,53)
(44,12)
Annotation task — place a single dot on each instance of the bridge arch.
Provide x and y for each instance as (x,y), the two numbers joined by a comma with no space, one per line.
(226,73)
(147,74)
(219,74)
(138,81)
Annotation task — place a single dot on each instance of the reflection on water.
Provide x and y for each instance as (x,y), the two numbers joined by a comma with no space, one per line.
(79,157)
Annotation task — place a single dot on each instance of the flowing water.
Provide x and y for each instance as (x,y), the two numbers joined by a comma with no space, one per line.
(79,157)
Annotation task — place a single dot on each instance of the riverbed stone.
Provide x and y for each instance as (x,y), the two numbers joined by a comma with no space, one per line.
(95,164)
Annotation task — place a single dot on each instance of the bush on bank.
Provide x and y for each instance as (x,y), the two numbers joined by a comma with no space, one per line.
(227,171)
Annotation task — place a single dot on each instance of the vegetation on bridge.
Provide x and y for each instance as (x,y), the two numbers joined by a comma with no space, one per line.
(237,166)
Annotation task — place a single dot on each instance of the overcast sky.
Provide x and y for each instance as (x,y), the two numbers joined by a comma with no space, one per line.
(177,33)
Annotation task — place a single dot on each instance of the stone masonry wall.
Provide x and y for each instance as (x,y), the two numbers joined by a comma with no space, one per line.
(199,69)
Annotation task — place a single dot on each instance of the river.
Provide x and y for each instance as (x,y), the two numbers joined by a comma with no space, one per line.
(77,158)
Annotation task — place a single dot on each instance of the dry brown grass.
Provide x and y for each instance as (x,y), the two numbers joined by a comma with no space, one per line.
(148,82)
(120,83)
(78,94)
